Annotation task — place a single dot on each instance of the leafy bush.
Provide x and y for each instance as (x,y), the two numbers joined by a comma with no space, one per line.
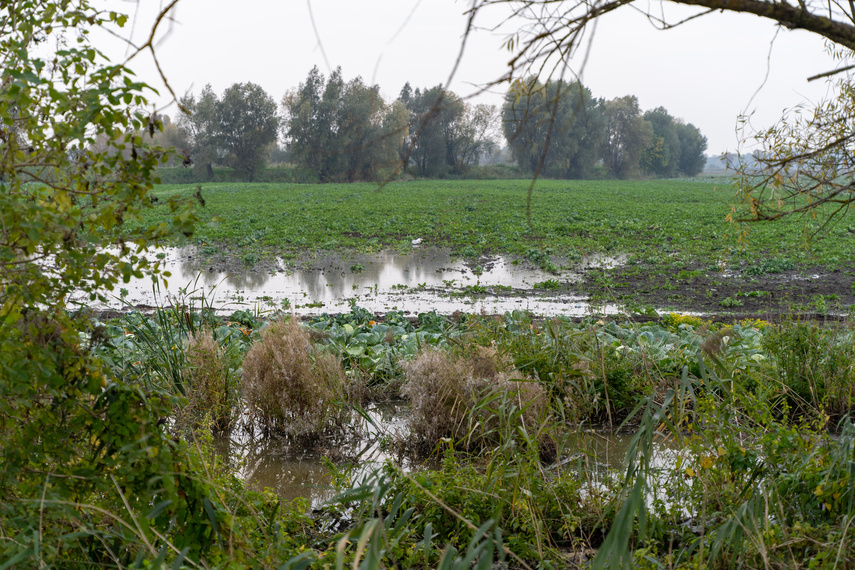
(815,364)
(290,385)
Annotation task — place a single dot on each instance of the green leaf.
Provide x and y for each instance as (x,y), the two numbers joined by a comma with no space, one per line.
(299,562)
(158,508)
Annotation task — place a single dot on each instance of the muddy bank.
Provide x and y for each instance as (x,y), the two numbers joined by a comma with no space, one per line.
(807,290)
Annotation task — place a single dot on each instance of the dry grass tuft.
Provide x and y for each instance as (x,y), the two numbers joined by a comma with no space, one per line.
(462,397)
(291,386)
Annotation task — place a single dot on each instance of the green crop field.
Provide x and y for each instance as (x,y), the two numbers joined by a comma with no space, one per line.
(678,222)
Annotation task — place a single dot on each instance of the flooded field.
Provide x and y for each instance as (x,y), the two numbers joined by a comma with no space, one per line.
(423,280)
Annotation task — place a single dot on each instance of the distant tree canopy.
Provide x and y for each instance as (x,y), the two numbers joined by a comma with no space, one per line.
(627,136)
(562,130)
(559,123)
(446,135)
(237,130)
(248,125)
(340,131)
(663,154)
(343,131)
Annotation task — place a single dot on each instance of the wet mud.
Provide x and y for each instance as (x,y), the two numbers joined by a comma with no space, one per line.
(808,291)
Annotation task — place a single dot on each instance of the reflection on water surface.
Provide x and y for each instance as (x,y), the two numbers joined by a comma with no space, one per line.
(420,281)
(269,463)
(272,463)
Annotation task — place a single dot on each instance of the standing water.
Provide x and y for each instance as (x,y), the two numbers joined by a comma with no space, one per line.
(421,281)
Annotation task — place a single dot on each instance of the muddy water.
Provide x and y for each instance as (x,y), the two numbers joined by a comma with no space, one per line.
(418,281)
(268,463)
(271,463)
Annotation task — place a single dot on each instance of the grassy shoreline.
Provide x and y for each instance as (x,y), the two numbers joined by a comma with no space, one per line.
(747,407)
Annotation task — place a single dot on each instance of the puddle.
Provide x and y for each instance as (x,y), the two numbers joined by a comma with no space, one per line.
(268,463)
(420,281)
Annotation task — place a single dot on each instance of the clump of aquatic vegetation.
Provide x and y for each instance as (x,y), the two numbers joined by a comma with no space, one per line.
(291,385)
(741,443)
(451,394)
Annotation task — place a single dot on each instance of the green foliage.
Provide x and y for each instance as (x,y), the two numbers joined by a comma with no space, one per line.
(247,126)
(372,350)
(387,534)
(201,126)
(677,148)
(344,131)
(692,146)
(772,265)
(446,135)
(540,257)
(90,475)
(564,114)
(815,364)
(715,473)
(565,127)
(627,135)
(240,127)
(662,157)
(730,302)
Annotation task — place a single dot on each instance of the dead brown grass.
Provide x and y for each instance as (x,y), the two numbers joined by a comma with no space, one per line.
(291,386)
(448,392)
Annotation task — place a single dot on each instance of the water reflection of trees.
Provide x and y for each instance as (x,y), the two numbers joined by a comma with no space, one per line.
(336,279)
(193,267)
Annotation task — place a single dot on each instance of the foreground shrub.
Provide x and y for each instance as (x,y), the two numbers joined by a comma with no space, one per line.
(468,398)
(815,364)
(290,385)
(209,381)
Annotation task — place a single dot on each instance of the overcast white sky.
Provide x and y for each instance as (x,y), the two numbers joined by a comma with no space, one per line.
(705,72)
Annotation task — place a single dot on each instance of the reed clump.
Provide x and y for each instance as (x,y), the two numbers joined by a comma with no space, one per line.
(815,364)
(208,381)
(464,398)
(290,385)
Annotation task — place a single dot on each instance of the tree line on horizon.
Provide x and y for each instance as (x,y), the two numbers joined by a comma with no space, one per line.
(344,131)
